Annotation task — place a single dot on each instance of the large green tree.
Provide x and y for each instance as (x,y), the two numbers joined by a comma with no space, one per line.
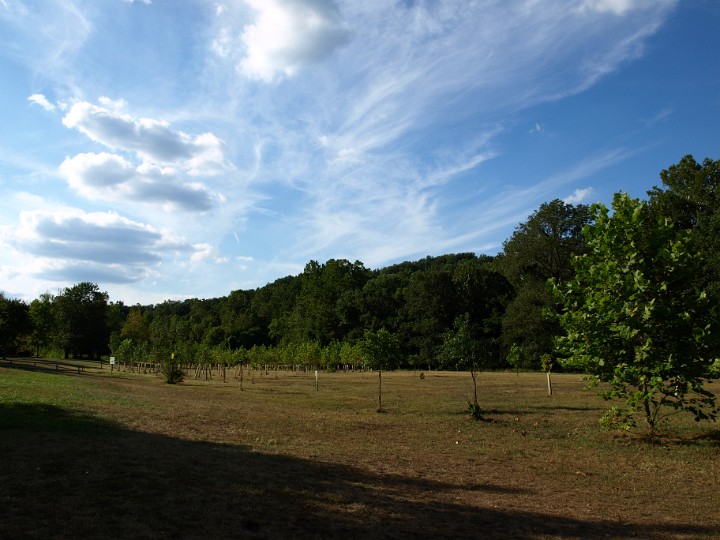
(541,248)
(429,309)
(690,197)
(634,321)
(43,322)
(14,324)
(81,315)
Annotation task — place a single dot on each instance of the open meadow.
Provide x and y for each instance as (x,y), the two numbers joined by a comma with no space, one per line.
(90,454)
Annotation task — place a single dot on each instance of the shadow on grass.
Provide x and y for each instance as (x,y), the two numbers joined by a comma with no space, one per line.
(65,475)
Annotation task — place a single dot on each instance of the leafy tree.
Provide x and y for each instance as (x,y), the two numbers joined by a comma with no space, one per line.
(429,310)
(135,327)
(525,324)
(82,322)
(539,249)
(631,319)
(14,323)
(325,309)
(381,351)
(43,322)
(462,350)
(691,199)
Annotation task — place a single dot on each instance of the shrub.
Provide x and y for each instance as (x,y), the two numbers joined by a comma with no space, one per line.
(172,372)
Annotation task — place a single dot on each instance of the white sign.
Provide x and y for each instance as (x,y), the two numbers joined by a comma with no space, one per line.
(112,360)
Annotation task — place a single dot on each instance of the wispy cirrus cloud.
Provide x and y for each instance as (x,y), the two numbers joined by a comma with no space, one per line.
(414,79)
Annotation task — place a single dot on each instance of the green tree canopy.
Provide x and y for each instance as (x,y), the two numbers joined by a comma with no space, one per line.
(81,314)
(542,248)
(14,323)
(633,319)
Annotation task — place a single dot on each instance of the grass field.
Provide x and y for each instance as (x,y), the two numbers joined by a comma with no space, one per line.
(92,454)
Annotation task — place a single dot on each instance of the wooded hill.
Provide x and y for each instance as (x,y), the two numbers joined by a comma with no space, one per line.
(322,315)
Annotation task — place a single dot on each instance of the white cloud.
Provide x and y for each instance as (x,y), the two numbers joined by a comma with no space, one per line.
(288,34)
(151,140)
(74,245)
(110,177)
(618,7)
(205,251)
(41,100)
(578,196)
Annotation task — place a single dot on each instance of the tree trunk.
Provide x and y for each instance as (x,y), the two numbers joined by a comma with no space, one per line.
(474,379)
(380,390)
(549,383)
(646,405)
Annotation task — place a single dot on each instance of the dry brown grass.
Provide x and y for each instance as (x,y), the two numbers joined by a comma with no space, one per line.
(125,456)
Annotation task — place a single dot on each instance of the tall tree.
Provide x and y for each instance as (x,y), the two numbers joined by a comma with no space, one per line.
(43,322)
(633,321)
(325,308)
(540,249)
(81,314)
(14,324)
(429,309)
(690,197)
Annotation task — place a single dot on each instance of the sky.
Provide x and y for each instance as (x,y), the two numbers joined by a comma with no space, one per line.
(172,149)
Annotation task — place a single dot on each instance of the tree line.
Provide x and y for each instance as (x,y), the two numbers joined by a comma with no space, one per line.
(657,259)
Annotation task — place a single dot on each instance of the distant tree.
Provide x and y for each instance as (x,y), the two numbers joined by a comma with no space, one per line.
(690,197)
(429,309)
(14,323)
(381,299)
(81,314)
(381,352)
(326,308)
(43,322)
(482,296)
(632,321)
(135,327)
(540,249)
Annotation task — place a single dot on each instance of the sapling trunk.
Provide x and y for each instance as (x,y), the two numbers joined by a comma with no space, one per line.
(474,379)
(380,390)
(549,384)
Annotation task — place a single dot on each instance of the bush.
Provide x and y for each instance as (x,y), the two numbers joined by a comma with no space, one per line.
(475,411)
(172,373)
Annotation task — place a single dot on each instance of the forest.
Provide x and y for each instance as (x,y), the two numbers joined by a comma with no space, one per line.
(507,307)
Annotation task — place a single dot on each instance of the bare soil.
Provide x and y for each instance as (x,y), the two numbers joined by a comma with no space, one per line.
(123,455)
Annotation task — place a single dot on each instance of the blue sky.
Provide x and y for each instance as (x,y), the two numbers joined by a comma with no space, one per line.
(167,149)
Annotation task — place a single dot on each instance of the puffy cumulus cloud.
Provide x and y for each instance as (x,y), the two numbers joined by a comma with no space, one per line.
(105,176)
(100,246)
(151,140)
(286,35)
